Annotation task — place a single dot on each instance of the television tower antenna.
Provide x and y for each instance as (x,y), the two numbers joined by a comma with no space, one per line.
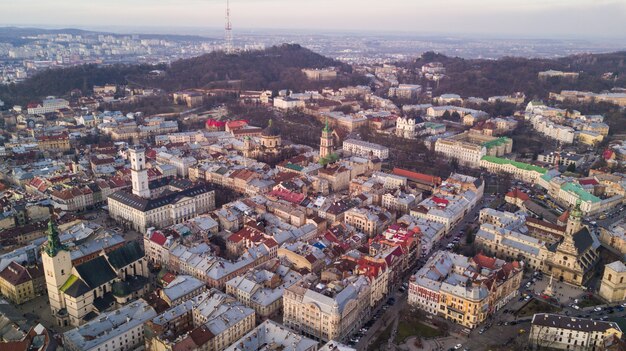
(228,30)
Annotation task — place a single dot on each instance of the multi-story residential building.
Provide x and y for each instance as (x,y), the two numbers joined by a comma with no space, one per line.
(519,170)
(288,103)
(262,289)
(561,158)
(409,128)
(369,220)
(20,284)
(399,201)
(589,97)
(182,137)
(278,336)
(182,164)
(328,311)
(562,332)
(55,142)
(48,105)
(517,98)
(613,285)
(320,74)
(615,237)
(405,91)
(449,204)
(366,149)
(182,288)
(209,321)
(569,192)
(117,330)
(462,289)
(558,74)
(434,68)
(553,130)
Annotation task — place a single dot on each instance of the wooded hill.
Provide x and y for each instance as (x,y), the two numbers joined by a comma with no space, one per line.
(484,78)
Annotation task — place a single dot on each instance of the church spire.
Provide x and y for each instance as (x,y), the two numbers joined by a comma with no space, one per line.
(326,127)
(54,244)
(574,222)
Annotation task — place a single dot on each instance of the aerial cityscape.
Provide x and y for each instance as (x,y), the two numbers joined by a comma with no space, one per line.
(291,176)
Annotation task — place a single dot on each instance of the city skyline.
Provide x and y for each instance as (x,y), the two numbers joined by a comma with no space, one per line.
(604,19)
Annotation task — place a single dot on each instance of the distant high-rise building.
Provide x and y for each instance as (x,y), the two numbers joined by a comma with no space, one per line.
(228,30)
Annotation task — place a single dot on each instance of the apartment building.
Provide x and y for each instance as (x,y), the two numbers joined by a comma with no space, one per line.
(209,321)
(47,105)
(556,331)
(270,334)
(561,158)
(262,288)
(19,284)
(369,220)
(121,329)
(465,290)
(366,149)
(327,311)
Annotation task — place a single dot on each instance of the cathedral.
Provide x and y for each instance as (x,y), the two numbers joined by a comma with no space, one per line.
(267,146)
(79,292)
(573,259)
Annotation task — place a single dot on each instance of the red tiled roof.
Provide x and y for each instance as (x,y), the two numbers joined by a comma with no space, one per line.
(236,124)
(211,123)
(287,195)
(484,261)
(563,218)
(440,201)
(418,177)
(588,181)
(516,193)
(158,238)
(168,278)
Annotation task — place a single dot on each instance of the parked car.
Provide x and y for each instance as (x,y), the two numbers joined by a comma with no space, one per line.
(458,346)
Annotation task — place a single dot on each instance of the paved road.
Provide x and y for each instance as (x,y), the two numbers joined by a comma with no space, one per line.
(401,299)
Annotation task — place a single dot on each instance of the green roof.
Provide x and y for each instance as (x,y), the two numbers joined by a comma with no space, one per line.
(96,272)
(433,125)
(496,142)
(520,165)
(581,193)
(294,167)
(68,282)
(125,255)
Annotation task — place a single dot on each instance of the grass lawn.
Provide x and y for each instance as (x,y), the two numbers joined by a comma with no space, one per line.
(536,306)
(589,301)
(381,339)
(407,329)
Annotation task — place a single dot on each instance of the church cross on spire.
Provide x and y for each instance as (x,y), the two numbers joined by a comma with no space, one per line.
(54,245)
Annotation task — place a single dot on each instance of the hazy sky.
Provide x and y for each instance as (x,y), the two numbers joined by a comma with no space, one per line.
(536,18)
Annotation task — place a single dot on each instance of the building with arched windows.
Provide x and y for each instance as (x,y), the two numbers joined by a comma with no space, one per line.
(613,287)
(139,210)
